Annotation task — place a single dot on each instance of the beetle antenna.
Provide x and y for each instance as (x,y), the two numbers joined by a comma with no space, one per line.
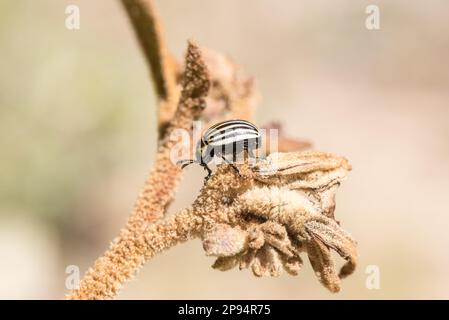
(185,163)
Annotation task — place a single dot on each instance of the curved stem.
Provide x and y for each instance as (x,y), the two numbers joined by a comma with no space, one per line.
(130,251)
(148,29)
(127,253)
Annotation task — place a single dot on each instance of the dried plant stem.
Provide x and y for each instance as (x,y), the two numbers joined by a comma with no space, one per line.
(148,30)
(130,251)
(167,233)
(126,254)
(163,179)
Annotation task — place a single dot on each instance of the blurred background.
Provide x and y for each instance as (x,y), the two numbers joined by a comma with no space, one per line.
(77,132)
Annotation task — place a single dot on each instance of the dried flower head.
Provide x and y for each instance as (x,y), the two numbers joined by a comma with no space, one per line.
(264,218)
(267,218)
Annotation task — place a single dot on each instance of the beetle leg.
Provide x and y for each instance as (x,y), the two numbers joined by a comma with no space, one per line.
(209,172)
(231,164)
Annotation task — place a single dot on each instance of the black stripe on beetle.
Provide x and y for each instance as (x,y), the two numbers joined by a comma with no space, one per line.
(224,139)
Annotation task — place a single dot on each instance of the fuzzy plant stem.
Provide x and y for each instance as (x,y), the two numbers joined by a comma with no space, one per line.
(126,254)
(148,30)
(165,234)
(130,251)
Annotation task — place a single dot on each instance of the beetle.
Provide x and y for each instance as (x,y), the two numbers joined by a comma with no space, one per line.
(225,138)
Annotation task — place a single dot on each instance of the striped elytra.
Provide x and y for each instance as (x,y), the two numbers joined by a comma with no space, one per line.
(224,139)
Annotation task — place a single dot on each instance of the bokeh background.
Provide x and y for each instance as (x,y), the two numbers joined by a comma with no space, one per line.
(77,132)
